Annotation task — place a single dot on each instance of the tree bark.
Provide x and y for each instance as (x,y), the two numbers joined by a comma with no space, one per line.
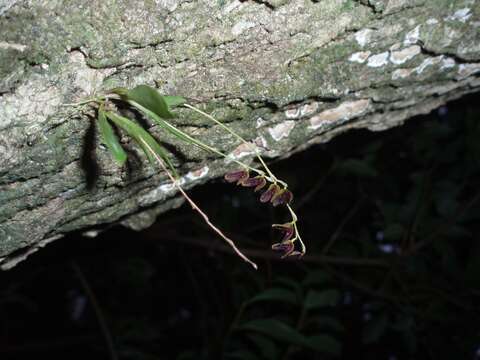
(285,74)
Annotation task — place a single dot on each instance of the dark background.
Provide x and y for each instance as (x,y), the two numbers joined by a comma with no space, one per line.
(391,222)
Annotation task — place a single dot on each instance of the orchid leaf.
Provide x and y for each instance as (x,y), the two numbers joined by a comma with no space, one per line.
(173,101)
(142,137)
(150,99)
(172,129)
(110,139)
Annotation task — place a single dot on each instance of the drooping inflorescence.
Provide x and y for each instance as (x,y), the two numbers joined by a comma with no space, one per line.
(276,195)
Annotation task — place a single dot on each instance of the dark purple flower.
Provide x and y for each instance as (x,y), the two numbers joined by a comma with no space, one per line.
(284,196)
(287,229)
(236,176)
(258,182)
(260,186)
(271,191)
(285,247)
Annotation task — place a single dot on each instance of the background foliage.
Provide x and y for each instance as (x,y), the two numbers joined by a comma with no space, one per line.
(392,272)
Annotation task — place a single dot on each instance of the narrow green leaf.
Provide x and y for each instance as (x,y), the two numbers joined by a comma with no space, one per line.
(173,130)
(110,139)
(119,91)
(325,344)
(150,99)
(140,135)
(276,330)
(316,299)
(172,100)
(275,294)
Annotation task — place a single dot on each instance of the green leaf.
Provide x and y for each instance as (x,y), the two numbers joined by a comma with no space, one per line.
(142,137)
(173,130)
(110,139)
(173,101)
(276,330)
(275,294)
(325,344)
(316,299)
(150,99)
(119,91)
(266,346)
(286,334)
(317,277)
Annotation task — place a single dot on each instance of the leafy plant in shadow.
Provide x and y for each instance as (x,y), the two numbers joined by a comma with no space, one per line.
(288,319)
(157,108)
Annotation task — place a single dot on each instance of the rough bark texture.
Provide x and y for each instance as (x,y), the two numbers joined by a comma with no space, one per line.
(285,74)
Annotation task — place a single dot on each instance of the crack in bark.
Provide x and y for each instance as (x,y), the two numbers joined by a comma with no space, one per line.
(265,3)
(432,53)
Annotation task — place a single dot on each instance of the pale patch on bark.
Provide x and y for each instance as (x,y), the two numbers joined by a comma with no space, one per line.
(461,15)
(292,113)
(360,56)
(401,73)
(6,45)
(260,123)
(308,109)
(448,63)
(363,37)
(241,151)
(241,26)
(465,70)
(280,131)
(412,36)
(346,111)
(378,60)
(197,174)
(428,62)
(402,56)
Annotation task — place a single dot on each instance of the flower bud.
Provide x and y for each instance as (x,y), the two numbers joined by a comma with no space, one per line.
(284,196)
(271,191)
(236,176)
(258,182)
(286,247)
(287,229)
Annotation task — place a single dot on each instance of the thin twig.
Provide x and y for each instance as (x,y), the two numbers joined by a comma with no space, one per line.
(98,311)
(196,208)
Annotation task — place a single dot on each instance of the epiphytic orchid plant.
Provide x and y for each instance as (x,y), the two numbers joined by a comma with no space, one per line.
(158,108)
